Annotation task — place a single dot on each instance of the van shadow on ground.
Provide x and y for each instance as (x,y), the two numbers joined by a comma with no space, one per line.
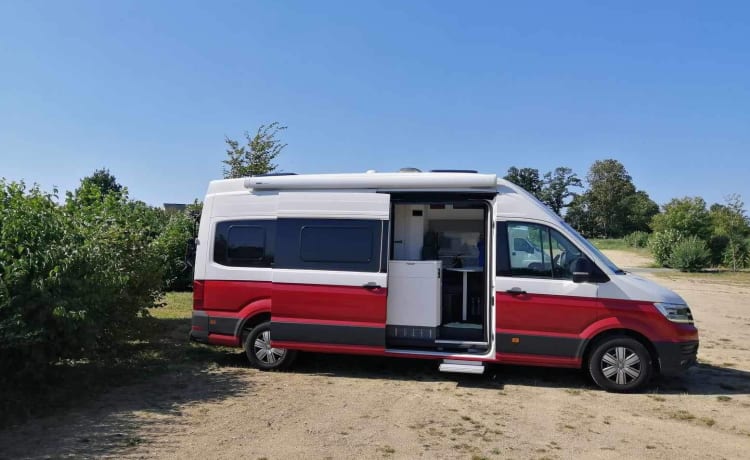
(704,379)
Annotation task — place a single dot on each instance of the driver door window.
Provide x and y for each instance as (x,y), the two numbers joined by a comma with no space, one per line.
(564,256)
(530,253)
(537,251)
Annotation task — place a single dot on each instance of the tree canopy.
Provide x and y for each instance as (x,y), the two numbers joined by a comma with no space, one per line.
(257,156)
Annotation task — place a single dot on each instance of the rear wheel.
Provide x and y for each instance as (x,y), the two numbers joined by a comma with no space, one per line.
(260,352)
(620,364)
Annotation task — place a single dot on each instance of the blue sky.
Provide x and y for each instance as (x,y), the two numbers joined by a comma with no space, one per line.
(150,89)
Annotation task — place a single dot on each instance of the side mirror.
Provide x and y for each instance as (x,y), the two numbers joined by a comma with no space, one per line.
(581,270)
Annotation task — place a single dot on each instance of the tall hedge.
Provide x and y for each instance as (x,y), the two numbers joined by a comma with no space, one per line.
(74,278)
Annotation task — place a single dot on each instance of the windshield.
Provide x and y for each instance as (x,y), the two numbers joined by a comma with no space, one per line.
(604,259)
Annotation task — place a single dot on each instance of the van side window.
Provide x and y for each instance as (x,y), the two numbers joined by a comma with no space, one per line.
(534,251)
(502,251)
(329,244)
(530,253)
(336,244)
(564,256)
(245,243)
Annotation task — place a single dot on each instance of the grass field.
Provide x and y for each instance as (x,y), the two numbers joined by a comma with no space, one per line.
(611,243)
(741,278)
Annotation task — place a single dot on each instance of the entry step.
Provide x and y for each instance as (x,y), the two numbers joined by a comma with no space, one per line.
(462,367)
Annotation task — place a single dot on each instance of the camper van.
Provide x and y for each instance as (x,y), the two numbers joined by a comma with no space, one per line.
(460,267)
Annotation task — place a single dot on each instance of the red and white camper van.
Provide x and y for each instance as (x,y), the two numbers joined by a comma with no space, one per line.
(448,265)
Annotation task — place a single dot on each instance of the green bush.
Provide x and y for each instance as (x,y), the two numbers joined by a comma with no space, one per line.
(74,279)
(661,245)
(717,245)
(637,239)
(171,245)
(737,254)
(690,255)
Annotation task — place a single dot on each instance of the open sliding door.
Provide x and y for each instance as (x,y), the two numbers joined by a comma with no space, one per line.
(329,279)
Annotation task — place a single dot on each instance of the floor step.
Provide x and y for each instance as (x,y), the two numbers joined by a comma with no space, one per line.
(462,367)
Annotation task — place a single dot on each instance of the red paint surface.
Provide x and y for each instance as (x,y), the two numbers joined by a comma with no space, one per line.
(353,305)
(584,317)
(224,340)
(545,314)
(532,314)
(233,296)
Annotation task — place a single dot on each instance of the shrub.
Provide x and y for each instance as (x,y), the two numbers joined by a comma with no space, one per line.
(637,239)
(171,245)
(661,245)
(690,255)
(737,254)
(74,279)
(717,244)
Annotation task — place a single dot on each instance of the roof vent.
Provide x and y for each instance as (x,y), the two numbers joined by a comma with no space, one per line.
(469,171)
(409,170)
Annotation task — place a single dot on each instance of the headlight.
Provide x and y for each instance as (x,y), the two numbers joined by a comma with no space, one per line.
(677,313)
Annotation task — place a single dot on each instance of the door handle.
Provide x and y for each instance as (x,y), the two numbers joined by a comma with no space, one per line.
(515,291)
(371,285)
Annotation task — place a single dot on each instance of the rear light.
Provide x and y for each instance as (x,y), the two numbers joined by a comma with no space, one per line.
(197,295)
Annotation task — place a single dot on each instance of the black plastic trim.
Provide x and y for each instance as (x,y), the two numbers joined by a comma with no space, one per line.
(541,345)
(326,333)
(676,357)
(199,319)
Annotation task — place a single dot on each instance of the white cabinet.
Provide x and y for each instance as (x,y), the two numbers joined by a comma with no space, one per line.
(414,292)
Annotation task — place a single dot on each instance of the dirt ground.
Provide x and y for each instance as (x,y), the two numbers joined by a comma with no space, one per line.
(360,407)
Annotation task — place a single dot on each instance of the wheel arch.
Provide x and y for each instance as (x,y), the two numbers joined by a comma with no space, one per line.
(247,324)
(619,332)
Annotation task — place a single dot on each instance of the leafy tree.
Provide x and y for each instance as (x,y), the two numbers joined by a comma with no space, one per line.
(609,187)
(257,156)
(97,186)
(640,210)
(556,189)
(578,216)
(687,216)
(526,178)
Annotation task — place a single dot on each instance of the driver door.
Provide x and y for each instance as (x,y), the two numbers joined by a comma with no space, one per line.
(540,310)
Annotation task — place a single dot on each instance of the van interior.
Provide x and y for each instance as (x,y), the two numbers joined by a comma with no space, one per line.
(438,284)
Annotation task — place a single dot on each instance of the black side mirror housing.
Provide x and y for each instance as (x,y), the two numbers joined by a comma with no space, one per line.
(582,270)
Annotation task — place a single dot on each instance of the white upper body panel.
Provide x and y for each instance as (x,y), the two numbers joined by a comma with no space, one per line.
(355,196)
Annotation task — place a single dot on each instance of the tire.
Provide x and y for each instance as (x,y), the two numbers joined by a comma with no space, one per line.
(260,353)
(620,364)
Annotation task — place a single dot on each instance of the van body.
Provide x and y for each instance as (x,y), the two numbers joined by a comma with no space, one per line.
(454,266)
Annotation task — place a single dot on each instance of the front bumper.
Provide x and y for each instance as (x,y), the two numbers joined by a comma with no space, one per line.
(675,357)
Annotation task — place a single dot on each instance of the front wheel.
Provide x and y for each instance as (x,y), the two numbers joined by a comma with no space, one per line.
(260,352)
(620,364)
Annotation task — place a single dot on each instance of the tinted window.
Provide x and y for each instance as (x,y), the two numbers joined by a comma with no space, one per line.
(329,244)
(564,256)
(336,244)
(245,243)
